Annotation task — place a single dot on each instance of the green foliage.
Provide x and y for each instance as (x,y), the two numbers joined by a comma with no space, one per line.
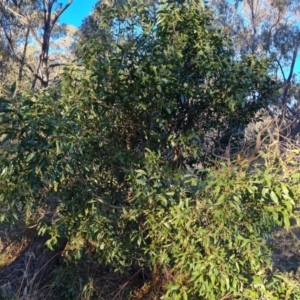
(215,240)
(69,282)
(104,156)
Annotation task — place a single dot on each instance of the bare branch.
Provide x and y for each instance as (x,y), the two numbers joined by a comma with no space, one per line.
(258,144)
(281,69)
(24,55)
(35,36)
(295,54)
(271,29)
(22,18)
(56,65)
(58,14)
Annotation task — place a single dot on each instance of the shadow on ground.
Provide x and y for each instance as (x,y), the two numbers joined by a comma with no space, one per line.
(286,250)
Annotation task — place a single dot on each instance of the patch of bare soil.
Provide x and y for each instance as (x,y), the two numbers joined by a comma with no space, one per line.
(118,287)
(286,250)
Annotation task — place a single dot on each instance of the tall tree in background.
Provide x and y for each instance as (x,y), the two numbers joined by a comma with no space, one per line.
(269,28)
(4,64)
(39,21)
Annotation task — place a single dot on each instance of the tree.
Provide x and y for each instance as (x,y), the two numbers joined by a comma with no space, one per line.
(103,157)
(120,31)
(39,20)
(269,28)
(4,62)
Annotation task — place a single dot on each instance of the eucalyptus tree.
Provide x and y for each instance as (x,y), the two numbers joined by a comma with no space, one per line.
(4,66)
(37,21)
(272,29)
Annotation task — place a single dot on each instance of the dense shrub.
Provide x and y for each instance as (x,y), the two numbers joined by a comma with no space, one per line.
(102,158)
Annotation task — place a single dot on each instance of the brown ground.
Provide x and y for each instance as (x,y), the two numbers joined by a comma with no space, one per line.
(25,265)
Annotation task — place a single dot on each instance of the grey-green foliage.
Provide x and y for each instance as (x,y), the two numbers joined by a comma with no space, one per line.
(103,153)
(268,28)
(32,24)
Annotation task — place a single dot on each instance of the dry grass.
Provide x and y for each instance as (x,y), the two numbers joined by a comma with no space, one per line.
(24,274)
(13,240)
(93,281)
(12,250)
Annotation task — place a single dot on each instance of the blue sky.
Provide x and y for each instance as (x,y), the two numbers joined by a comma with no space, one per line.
(77,11)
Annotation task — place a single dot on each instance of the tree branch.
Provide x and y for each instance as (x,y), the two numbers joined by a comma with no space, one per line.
(287,83)
(56,65)
(35,36)
(295,54)
(281,69)
(259,141)
(60,13)
(22,18)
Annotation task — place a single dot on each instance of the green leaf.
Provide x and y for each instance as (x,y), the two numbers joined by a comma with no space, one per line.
(274,197)
(30,156)
(221,199)
(140,171)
